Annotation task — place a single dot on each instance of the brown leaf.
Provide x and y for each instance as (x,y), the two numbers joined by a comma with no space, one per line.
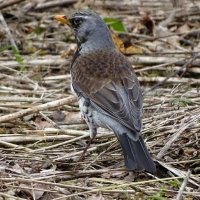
(189,151)
(133,50)
(73,118)
(58,116)
(69,52)
(42,123)
(145,25)
(18,169)
(128,49)
(148,23)
(183,29)
(117,41)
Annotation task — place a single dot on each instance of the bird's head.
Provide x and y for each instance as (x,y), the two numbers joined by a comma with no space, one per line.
(88,27)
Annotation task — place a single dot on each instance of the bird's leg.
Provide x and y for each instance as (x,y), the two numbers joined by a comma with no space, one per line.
(85,150)
(93,132)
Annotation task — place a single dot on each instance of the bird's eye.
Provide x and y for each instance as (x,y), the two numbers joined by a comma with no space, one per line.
(76,21)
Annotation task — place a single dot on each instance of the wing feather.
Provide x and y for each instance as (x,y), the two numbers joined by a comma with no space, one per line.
(117,93)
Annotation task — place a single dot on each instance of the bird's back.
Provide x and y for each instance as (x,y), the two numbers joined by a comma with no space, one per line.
(108,80)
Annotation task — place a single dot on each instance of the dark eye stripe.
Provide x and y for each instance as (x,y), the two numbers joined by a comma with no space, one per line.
(76,21)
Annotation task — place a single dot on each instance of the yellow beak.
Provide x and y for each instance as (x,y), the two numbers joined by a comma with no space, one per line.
(62,19)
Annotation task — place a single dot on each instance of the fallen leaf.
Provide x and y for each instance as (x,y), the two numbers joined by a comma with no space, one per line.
(41,123)
(129,49)
(147,22)
(18,169)
(145,25)
(189,151)
(133,50)
(73,118)
(117,41)
(183,29)
(58,116)
(69,52)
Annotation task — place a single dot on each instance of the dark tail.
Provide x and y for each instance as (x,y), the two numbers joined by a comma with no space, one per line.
(136,155)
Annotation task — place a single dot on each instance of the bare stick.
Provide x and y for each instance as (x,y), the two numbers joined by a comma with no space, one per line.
(54,3)
(14,146)
(8,33)
(62,143)
(20,139)
(176,135)
(35,109)
(180,193)
(100,189)
(9,3)
(184,67)
(29,62)
(32,180)
(7,196)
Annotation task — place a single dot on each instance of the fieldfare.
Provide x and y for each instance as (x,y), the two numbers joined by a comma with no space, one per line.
(108,91)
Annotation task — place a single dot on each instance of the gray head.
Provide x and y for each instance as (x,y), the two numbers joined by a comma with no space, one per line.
(90,31)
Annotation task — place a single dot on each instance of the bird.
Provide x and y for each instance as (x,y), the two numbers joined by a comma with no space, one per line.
(108,91)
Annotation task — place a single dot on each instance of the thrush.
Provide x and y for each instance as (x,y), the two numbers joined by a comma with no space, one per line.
(108,91)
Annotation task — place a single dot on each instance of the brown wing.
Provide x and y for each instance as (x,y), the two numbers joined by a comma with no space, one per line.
(107,79)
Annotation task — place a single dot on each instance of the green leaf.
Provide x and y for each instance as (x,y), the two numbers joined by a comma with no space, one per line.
(39,30)
(181,101)
(175,183)
(116,24)
(18,58)
(158,196)
(17,55)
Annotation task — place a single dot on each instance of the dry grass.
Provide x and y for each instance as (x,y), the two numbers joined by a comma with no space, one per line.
(42,134)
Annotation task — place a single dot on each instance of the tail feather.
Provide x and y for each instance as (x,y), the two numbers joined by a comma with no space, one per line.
(136,155)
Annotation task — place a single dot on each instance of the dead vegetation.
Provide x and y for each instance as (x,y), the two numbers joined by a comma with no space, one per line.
(42,134)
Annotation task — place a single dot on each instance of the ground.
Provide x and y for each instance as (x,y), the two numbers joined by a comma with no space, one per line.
(42,134)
